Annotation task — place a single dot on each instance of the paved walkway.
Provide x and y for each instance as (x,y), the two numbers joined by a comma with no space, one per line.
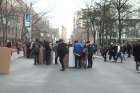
(103,78)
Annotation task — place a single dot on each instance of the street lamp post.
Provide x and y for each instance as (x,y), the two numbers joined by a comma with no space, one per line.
(28,23)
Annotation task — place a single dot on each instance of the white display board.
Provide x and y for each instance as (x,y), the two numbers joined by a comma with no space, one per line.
(71,57)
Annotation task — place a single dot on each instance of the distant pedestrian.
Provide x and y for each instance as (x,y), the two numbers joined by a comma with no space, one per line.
(129,49)
(18,46)
(36,48)
(9,44)
(119,53)
(28,50)
(112,52)
(32,48)
(104,52)
(123,51)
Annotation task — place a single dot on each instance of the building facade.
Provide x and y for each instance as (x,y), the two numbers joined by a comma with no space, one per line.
(84,28)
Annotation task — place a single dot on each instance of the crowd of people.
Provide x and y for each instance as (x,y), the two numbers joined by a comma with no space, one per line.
(32,50)
(117,51)
(83,52)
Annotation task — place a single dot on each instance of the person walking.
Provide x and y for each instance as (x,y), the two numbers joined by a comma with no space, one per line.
(112,52)
(62,51)
(129,49)
(119,53)
(18,46)
(28,50)
(104,52)
(32,48)
(123,51)
(136,54)
(36,51)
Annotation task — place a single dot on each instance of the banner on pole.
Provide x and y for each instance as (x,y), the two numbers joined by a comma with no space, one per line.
(28,19)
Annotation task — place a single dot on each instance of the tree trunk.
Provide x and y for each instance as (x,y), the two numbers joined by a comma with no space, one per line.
(6,25)
(88,34)
(119,19)
(2,26)
(100,41)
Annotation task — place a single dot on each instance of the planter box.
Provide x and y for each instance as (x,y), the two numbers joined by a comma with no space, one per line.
(5,58)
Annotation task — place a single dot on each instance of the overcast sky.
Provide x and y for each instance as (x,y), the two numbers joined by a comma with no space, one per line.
(61,11)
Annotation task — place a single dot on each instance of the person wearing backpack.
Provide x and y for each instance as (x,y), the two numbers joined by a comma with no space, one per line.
(36,52)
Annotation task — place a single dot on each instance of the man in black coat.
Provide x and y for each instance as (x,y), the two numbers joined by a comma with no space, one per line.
(136,54)
(112,52)
(129,49)
(105,49)
(62,51)
(90,54)
(47,52)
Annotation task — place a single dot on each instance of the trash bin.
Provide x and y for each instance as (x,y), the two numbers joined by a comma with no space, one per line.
(5,58)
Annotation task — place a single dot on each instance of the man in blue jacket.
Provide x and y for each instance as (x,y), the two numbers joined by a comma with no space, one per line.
(77,51)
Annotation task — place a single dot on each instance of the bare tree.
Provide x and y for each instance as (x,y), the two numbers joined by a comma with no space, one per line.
(122,8)
(90,19)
